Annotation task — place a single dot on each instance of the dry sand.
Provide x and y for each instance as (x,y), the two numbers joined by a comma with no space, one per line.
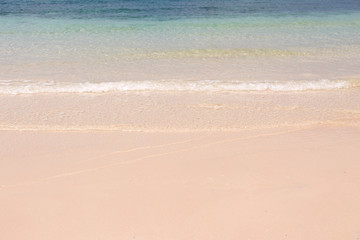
(298,183)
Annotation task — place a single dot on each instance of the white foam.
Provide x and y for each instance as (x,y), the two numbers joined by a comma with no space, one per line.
(13,87)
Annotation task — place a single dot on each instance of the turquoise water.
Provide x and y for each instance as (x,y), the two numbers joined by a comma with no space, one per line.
(47,43)
(170,9)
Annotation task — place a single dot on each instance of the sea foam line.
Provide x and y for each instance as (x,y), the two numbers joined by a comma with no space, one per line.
(12,87)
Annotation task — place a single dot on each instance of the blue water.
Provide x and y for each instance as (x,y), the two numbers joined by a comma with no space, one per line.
(170,9)
(118,40)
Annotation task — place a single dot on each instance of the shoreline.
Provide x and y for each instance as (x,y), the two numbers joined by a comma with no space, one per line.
(179,111)
(179,120)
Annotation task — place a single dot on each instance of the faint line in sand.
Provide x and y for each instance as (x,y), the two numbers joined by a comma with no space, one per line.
(151,156)
(148,147)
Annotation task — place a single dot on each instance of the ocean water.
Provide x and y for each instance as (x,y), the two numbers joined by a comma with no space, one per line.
(178,65)
(77,46)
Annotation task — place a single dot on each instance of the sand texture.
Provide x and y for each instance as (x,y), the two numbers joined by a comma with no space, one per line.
(281,183)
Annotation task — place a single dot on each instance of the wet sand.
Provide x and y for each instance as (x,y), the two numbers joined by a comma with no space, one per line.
(179,111)
(278,183)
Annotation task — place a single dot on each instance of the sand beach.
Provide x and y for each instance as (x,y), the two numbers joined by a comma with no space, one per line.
(179,120)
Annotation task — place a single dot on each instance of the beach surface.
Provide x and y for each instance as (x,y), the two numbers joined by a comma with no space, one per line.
(179,120)
(279,183)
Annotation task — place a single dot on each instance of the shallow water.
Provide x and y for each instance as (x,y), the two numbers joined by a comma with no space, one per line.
(186,64)
(167,41)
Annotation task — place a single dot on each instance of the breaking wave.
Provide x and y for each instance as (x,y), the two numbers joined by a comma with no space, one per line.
(13,87)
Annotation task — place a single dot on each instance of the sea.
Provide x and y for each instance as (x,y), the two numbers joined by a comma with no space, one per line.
(70,63)
(77,46)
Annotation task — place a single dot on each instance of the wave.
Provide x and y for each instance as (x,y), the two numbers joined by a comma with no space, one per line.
(213,53)
(14,87)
